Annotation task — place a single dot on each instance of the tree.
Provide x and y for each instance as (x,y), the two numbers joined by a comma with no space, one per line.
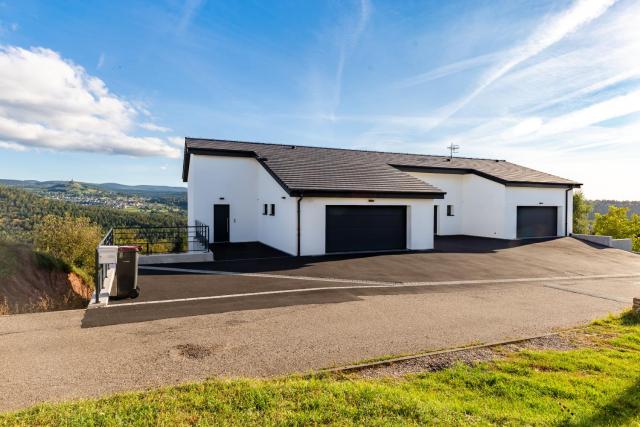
(73,240)
(581,211)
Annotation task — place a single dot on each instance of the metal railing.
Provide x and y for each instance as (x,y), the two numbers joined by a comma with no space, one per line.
(164,240)
(152,240)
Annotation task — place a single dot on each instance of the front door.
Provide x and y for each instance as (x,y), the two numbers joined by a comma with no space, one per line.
(220,223)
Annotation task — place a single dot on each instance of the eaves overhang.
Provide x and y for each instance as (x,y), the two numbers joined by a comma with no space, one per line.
(463,171)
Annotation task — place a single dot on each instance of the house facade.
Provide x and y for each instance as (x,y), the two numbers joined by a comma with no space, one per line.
(314,201)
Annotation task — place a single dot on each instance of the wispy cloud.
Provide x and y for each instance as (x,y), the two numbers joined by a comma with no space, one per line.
(336,44)
(49,102)
(100,63)
(449,69)
(349,42)
(548,33)
(189,10)
(154,127)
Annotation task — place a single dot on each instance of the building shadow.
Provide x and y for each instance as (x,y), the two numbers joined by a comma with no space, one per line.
(254,257)
(123,314)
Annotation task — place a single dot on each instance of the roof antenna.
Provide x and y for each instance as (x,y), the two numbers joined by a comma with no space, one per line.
(453,149)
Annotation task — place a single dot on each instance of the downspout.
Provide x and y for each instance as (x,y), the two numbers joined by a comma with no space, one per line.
(566,211)
(298,233)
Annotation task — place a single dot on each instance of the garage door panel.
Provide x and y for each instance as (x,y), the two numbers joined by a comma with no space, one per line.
(537,221)
(365,228)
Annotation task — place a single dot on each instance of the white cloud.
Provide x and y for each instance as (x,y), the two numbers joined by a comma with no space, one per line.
(49,102)
(154,127)
(11,146)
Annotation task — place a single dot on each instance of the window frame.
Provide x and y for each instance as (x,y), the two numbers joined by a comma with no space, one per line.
(450,211)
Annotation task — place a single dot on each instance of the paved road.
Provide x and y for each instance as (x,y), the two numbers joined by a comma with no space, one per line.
(279,325)
(49,356)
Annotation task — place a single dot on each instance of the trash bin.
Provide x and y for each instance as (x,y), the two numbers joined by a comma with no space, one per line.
(126,280)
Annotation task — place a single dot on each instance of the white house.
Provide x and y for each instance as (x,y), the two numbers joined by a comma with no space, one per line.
(312,200)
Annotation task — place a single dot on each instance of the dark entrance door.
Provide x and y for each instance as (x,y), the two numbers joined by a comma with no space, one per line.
(537,221)
(220,223)
(435,220)
(365,228)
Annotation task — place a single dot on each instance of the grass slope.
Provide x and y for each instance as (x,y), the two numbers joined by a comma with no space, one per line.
(597,384)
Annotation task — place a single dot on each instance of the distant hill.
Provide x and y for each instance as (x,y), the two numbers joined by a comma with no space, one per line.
(140,188)
(21,210)
(148,198)
(602,206)
(108,186)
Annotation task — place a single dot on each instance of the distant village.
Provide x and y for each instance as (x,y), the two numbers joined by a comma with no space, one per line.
(110,200)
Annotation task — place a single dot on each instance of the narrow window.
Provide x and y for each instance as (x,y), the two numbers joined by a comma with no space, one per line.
(273,210)
(265,209)
(449,210)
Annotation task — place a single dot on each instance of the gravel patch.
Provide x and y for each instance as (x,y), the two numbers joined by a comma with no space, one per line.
(440,361)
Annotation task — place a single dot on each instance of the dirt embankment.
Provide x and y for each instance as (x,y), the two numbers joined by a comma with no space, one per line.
(31,282)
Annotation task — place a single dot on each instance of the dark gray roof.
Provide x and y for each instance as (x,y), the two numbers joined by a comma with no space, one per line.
(314,170)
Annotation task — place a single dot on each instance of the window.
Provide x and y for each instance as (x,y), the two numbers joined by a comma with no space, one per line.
(449,210)
(273,210)
(265,209)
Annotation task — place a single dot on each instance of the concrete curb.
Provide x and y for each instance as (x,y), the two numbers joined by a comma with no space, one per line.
(386,362)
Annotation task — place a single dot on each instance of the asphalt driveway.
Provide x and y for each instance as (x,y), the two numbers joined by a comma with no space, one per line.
(181,290)
(455,258)
(270,322)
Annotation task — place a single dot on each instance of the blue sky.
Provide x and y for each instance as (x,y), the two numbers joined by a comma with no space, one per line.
(105,91)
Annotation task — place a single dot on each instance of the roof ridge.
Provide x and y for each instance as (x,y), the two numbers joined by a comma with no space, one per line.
(339,148)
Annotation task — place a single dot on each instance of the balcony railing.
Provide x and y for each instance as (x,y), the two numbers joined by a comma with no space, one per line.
(164,240)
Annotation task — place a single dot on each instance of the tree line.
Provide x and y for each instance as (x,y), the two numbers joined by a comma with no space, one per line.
(618,222)
(21,211)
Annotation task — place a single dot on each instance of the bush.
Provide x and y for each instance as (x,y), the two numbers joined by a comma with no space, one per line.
(73,240)
(581,211)
(617,224)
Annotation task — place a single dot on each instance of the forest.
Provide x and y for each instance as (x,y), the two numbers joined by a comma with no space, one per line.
(21,211)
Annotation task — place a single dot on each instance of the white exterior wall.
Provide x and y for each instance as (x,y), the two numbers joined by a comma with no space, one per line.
(313,221)
(278,231)
(233,178)
(482,207)
(486,208)
(245,186)
(452,184)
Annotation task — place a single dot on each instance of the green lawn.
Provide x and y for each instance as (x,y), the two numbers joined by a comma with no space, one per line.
(597,384)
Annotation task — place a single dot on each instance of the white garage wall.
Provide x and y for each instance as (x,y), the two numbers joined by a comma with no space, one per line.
(235,179)
(486,208)
(452,184)
(529,196)
(313,221)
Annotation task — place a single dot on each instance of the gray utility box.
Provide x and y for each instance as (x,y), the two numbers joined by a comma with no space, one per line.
(126,283)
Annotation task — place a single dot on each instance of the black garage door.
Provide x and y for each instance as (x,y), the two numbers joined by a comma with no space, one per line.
(537,221)
(366,228)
